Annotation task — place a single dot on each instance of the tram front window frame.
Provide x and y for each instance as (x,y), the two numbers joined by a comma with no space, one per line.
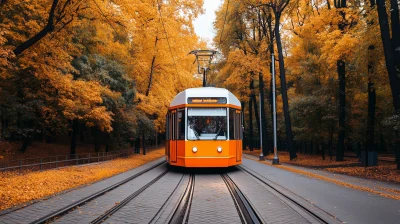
(207,123)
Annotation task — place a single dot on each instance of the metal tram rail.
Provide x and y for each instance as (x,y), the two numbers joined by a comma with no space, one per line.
(118,206)
(66,209)
(315,213)
(246,212)
(182,211)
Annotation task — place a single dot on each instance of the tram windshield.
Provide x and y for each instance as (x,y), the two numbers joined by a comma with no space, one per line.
(207,124)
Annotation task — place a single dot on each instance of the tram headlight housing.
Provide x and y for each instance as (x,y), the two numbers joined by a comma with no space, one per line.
(194,149)
(219,149)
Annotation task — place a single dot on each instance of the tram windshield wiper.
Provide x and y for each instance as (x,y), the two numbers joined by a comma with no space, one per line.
(195,132)
(215,138)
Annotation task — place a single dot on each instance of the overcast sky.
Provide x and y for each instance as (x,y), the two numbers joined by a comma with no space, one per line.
(203,25)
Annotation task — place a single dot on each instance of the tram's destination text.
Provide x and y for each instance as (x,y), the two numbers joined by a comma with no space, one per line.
(207,100)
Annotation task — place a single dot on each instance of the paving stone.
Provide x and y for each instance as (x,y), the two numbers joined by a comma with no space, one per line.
(212,202)
(270,208)
(93,209)
(45,207)
(172,203)
(146,205)
(347,204)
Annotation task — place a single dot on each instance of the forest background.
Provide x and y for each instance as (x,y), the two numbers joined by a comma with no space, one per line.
(338,64)
(105,71)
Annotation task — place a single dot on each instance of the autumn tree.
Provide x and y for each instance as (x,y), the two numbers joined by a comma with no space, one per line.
(391,45)
(79,67)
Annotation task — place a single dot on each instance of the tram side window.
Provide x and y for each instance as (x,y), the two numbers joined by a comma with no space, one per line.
(167,127)
(173,126)
(232,116)
(238,127)
(181,125)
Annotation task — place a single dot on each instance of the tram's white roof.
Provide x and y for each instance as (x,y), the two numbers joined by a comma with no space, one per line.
(182,97)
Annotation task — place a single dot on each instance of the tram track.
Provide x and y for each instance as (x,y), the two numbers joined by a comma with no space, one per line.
(182,210)
(66,209)
(246,212)
(307,210)
(118,206)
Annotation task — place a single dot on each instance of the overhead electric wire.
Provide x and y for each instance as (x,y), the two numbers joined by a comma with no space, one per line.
(102,13)
(166,35)
(223,26)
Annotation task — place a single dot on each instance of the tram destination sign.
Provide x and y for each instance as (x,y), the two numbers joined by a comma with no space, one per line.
(207,100)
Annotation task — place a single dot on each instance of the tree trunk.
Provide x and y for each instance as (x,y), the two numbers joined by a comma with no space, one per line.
(341,67)
(382,144)
(82,133)
(25,144)
(137,145)
(250,124)
(390,60)
(152,69)
(254,101)
(143,144)
(4,126)
(371,104)
(395,24)
(398,155)
(389,55)
(288,124)
(311,147)
(74,133)
(107,138)
(265,145)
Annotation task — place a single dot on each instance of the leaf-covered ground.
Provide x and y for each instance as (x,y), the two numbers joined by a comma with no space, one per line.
(20,188)
(385,171)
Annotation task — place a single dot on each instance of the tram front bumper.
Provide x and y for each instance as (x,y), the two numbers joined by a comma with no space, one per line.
(207,161)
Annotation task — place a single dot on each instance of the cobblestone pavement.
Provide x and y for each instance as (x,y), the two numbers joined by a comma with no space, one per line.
(42,208)
(379,186)
(348,205)
(146,205)
(268,206)
(212,202)
(172,203)
(93,209)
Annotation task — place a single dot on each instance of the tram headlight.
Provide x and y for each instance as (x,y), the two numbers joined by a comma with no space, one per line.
(219,149)
(194,149)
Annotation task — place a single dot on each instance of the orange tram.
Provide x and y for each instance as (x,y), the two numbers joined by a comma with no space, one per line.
(204,129)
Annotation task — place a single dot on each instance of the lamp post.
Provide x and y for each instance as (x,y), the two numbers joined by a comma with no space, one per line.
(275,161)
(203,58)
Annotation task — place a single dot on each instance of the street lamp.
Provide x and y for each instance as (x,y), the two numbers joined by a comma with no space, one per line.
(203,58)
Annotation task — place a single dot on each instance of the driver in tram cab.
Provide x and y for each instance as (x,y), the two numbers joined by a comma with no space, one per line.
(220,128)
(193,129)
